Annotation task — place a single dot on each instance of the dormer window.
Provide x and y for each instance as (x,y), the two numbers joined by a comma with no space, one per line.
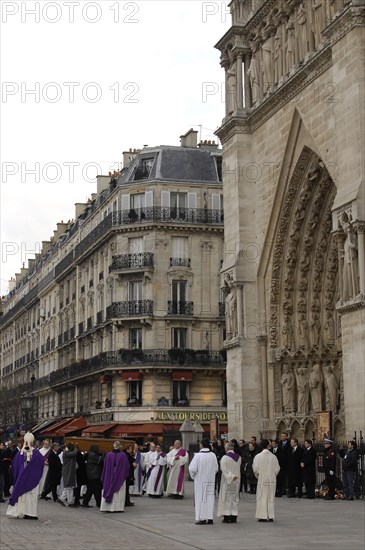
(146,167)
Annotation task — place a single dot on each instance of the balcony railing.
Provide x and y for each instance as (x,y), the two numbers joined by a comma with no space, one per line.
(180,308)
(168,214)
(129,309)
(179,262)
(125,358)
(221,309)
(132,261)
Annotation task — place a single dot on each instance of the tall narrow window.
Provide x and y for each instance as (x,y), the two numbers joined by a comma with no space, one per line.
(135,290)
(135,338)
(179,337)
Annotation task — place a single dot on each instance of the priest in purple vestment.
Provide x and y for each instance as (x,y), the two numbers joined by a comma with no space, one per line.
(27,469)
(114,475)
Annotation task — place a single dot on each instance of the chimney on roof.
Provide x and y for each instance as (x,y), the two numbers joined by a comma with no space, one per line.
(128,156)
(102,183)
(190,139)
(208,144)
(12,284)
(79,208)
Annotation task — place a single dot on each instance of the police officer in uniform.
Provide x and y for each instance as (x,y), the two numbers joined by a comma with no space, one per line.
(329,465)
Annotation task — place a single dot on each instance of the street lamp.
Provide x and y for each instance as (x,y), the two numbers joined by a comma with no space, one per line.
(26,405)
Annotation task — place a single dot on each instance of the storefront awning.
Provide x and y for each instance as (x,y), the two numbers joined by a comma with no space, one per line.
(74,425)
(131,376)
(45,424)
(183,375)
(97,429)
(49,432)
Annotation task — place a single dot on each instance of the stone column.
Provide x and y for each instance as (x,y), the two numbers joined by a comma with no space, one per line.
(262,340)
(239,90)
(360,228)
(239,309)
(226,90)
(248,92)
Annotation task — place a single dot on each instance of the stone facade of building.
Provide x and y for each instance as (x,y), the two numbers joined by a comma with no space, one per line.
(293,169)
(123,309)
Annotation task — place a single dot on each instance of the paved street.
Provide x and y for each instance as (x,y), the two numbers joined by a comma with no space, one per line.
(169,524)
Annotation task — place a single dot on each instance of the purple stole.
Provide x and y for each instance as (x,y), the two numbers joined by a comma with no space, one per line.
(182,452)
(159,474)
(233,455)
(115,472)
(26,476)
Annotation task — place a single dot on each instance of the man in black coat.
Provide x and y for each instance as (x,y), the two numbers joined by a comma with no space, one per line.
(282,459)
(329,466)
(130,479)
(94,468)
(349,469)
(54,474)
(282,478)
(308,465)
(294,469)
(81,478)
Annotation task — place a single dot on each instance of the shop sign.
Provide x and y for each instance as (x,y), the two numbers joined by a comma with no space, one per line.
(101,417)
(190,415)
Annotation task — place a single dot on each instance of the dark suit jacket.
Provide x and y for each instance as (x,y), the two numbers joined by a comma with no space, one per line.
(294,468)
(309,461)
(281,456)
(285,450)
(54,469)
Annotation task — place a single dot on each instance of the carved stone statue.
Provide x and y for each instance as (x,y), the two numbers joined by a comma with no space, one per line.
(231,84)
(288,386)
(302,331)
(350,268)
(287,333)
(316,386)
(267,52)
(315,330)
(329,329)
(302,31)
(318,20)
(231,307)
(277,56)
(254,76)
(331,387)
(301,375)
(290,59)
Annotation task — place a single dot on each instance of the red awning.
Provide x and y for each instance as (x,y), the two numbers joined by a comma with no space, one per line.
(89,431)
(73,426)
(130,376)
(49,432)
(184,375)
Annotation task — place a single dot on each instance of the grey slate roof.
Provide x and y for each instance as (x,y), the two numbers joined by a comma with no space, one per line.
(176,164)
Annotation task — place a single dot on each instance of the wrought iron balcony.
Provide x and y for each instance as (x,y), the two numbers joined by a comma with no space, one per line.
(132,261)
(129,309)
(168,214)
(221,309)
(179,262)
(99,317)
(180,308)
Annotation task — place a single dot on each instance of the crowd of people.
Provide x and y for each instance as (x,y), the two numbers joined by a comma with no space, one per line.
(269,469)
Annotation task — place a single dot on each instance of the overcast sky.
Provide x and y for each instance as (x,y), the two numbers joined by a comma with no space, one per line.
(105,76)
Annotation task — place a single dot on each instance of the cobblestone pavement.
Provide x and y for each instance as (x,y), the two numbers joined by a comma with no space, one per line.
(169,524)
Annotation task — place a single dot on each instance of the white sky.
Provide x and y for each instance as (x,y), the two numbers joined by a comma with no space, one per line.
(154,67)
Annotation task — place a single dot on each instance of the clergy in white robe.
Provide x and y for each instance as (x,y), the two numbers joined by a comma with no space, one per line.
(136,489)
(148,458)
(228,500)
(27,469)
(114,475)
(44,450)
(157,471)
(202,469)
(176,460)
(266,468)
